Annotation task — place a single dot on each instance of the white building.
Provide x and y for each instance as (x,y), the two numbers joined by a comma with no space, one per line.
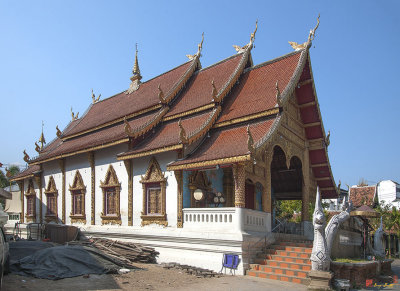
(389,192)
(129,167)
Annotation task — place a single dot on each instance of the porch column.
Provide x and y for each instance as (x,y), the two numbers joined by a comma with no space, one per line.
(306,187)
(267,191)
(179,180)
(228,187)
(62,169)
(239,177)
(21,188)
(92,187)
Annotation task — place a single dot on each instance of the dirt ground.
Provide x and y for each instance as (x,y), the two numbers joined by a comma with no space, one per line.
(148,277)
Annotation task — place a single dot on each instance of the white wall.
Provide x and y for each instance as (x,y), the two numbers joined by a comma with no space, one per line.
(387,192)
(140,166)
(103,159)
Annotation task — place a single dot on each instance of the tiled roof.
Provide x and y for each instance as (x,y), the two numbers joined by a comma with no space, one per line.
(256,91)
(123,104)
(93,139)
(228,142)
(198,91)
(168,133)
(362,195)
(26,173)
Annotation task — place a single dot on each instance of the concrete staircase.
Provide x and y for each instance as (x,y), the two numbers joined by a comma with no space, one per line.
(284,261)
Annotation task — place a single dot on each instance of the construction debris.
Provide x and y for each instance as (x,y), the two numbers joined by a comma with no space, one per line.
(124,251)
(198,272)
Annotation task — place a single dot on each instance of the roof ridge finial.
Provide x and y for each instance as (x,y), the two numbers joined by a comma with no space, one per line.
(42,140)
(311,36)
(199,48)
(240,49)
(136,76)
(307,44)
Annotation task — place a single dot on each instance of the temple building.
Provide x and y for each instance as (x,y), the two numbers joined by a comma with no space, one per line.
(190,162)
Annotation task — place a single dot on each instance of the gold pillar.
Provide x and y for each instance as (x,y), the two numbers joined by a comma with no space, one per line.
(239,176)
(267,207)
(179,180)
(306,187)
(92,188)
(61,163)
(21,185)
(38,180)
(228,186)
(129,170)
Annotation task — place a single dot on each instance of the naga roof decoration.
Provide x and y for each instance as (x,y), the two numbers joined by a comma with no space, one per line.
(232,109)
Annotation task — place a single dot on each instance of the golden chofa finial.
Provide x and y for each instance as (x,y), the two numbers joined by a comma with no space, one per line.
(94,99)
(311,36)
(161,96)
(250,140)
(240,49)
(296,46)
(182,133)
(26,157)
(199,48)
(58,133)
(74,117)
(253,35)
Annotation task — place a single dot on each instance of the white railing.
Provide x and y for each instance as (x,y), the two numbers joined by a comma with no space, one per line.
(227,219)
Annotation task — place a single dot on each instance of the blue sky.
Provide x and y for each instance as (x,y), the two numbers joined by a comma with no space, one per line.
(52,53)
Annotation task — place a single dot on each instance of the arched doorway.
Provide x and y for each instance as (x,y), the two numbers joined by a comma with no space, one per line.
(287,183)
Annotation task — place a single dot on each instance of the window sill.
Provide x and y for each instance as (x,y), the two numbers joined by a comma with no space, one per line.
(111,219)
(160,219)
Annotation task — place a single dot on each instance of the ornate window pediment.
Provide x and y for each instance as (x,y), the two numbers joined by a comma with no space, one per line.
(111,198)
(78,191)
(154,185)
(30,195)
(51,193)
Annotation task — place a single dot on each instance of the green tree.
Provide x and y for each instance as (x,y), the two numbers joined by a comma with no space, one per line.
(4,180)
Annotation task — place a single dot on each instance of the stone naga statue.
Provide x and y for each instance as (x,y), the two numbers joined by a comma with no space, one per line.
(320,258)
(379,249)
(334,224)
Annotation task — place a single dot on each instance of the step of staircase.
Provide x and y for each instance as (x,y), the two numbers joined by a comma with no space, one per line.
(284,261)
(280,277)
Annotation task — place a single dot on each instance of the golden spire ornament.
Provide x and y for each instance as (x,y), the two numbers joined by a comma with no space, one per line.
(136,77)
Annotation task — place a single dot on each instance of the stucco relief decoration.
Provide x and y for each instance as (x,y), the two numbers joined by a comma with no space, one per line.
(111,198)
(78,188)
(154,185)
(51,193)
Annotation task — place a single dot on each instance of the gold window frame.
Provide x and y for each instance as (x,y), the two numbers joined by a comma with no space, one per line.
(78,185)
(51,189)
(154,175)
(30,194)
(111,181)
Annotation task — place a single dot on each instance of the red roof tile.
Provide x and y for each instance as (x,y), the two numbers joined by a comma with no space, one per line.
(362,195)
(96,138)
(27,172)
(198,92)
(228,142)
(256,91)
(168,133)
(122,104)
